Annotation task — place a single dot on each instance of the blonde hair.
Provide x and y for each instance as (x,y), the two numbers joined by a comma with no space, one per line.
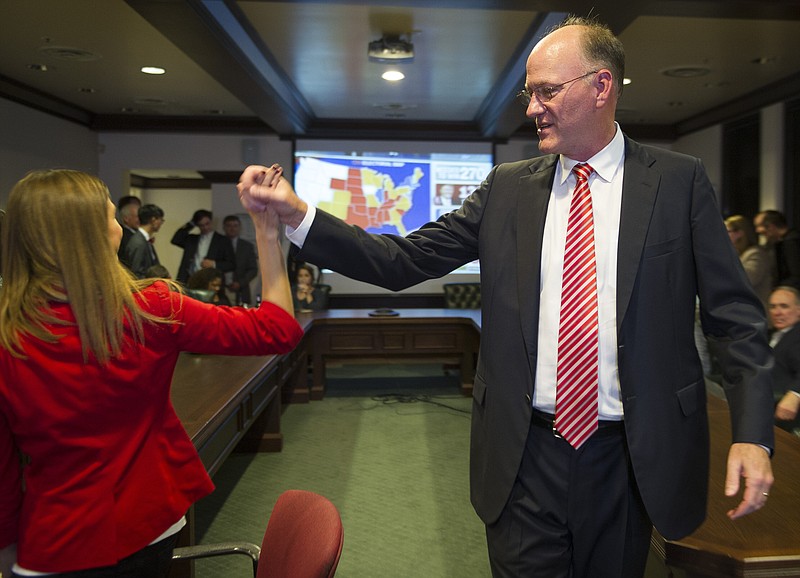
(739,223)
(56,248)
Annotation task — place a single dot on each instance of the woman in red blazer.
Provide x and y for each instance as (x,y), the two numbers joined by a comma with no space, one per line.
(87,354)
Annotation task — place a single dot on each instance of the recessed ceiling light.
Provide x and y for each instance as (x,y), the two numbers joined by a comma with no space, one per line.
(763,60)
(151,101)
(393,75)
(685,71)
(626,81)
(38,67)
(153,70)
(69,53)
(87,90)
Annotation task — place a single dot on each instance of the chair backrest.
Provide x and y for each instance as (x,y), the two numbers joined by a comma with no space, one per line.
(304,537)
(204,295)
(462,295)
(322,294)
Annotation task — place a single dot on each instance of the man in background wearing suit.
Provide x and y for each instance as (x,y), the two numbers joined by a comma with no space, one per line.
(238,280)
(140,252)
(208,249)
(784,312)
(552,508)
(784,244)
(129,219)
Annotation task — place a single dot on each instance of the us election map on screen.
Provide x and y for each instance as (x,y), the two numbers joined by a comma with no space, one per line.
(387,192)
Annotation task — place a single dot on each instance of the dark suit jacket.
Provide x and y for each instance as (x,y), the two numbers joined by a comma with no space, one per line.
(246,267)
(787,255)
(127,233)
(786,373)
(140,255)
(220,250)
(672,247)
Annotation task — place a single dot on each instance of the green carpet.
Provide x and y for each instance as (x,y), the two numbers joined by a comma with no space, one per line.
(389,446)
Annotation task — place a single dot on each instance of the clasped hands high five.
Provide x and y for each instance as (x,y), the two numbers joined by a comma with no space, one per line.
(265,189)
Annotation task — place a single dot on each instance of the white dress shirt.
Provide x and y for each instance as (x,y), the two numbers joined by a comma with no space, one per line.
(606,189)
(203,243)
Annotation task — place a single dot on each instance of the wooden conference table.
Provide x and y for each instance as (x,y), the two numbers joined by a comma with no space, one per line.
(235,402)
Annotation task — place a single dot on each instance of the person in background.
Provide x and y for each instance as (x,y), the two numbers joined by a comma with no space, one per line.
(208,280)
(784,312)
(307,295)
(208,249)
(238,280)
(87,354)
(754,258)
(784,243)
(756,262)
(129,219)
(158,271)
(140,252)
(575,493)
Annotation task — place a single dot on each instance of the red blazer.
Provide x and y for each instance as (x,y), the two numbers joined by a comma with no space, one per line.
(110,465)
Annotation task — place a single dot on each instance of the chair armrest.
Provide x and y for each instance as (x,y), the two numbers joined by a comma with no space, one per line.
(219,549)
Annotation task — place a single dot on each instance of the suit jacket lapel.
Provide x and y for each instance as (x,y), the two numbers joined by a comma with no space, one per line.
(639,191)
(534,195)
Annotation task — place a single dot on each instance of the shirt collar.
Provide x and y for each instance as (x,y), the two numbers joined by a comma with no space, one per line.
(605,163)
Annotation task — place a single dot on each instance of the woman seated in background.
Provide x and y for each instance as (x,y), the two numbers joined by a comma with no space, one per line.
(87,354)
(158,271)
(754,259)
(308,296)
(206,285)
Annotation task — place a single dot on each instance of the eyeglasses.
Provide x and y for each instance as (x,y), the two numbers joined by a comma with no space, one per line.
(546,92)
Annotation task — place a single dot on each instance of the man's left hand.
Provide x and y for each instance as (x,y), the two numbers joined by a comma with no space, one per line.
(751,463)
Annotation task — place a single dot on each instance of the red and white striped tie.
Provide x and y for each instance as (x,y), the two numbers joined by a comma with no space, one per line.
(578,344)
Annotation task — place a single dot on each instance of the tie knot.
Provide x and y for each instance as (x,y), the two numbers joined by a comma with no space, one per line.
(582,171)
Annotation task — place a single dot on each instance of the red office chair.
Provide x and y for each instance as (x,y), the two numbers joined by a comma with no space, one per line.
(303,539)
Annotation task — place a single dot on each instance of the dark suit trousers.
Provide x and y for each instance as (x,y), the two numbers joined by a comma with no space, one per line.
(572,513)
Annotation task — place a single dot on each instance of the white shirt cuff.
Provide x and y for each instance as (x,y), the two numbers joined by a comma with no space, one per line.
(298,236)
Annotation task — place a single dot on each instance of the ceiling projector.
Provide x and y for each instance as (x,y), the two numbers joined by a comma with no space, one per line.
(391,49)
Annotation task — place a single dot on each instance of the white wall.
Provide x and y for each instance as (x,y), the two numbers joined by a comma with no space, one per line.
(120,152)
(30,139)
(707,146)
(772,175)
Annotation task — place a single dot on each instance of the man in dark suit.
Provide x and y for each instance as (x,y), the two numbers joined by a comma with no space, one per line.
(238,280)
(208,249)
(550,508)
(140,252)
(784,312)
(129,219)
(784,244)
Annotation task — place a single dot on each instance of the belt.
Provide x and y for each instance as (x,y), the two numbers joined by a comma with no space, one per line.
(548,421)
